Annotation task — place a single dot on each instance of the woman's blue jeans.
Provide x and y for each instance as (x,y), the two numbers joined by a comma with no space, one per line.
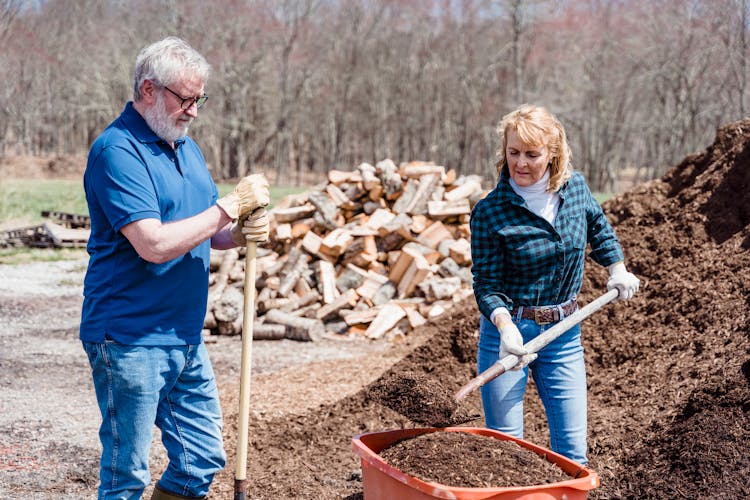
(172,387)
(560,377)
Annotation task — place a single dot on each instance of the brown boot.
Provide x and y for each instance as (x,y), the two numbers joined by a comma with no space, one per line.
(160,494)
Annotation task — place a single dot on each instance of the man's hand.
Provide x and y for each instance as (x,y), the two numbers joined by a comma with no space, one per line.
(252,227)
(625,282)
(511,341)
(250,193)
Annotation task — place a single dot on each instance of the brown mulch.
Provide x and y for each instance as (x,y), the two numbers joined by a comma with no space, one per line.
(440,453)
(669,371)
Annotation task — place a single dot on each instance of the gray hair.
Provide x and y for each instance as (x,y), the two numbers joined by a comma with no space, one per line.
(167,61)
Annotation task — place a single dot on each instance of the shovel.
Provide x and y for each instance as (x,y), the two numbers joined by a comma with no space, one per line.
(536,344)
(240,475)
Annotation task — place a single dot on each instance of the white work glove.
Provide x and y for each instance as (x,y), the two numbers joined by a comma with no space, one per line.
(511,341)
(625,282)
(252,227)
(250,193)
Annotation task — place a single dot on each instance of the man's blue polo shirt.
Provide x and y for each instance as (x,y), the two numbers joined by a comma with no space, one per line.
(132,174)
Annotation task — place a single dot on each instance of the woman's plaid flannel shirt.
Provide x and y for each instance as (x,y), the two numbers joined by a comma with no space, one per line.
(519,259)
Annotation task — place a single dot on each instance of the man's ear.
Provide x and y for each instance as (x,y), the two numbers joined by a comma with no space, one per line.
(148,92)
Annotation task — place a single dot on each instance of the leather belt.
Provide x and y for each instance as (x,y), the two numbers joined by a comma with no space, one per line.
(546,314)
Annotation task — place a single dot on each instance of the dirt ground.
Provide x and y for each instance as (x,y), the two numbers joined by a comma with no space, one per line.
(668,372)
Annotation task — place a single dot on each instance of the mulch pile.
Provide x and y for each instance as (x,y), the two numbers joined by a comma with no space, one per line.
(669,371)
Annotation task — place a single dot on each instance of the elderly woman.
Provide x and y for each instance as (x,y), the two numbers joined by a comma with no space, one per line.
(528,244)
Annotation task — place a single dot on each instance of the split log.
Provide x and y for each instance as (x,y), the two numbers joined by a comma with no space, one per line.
(418,223)
(268,331)
(415,319)
(303,286)
(288,304)
(273,269)
(418,202)
(464,191)
(386,319)
(384,293)
(336,242)
(289,280)
(326,209)
(230,257)
(312,243)
(440,288)
(346,299)
(402,203)
(338,177)
(449,267)
(444,209)
(417,169)
(371,285)
(369,180)
(389,178)
(379,218)
(229,306)
(460,251)
(434,234)
(265,295)
(350,277)
(359,317)
(283,232)
(337,195)
(417,271)
(326,275)
(430,254)
(406,257)
(209,320)
(298,328)
(301,227)
(294,213)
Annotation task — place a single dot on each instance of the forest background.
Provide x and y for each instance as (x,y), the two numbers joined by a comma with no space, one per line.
(299,87)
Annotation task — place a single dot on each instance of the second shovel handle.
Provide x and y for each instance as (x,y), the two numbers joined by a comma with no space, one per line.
(536,343)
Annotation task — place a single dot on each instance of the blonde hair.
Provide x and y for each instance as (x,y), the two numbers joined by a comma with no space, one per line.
(536,126)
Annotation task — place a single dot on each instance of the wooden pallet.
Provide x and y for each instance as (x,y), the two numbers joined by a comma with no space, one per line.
(73,221)
(45,235)
(66,237)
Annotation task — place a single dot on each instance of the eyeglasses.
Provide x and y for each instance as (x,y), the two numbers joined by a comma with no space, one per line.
(187,102)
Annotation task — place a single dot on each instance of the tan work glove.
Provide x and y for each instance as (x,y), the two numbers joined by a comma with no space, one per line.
(511,341)
(252,227)
(250,193)
(625,282)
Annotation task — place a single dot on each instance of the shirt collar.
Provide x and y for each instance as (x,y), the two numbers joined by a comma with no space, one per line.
(140,129)
(505,191)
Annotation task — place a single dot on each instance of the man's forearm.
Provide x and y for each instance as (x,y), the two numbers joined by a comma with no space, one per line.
(158,243)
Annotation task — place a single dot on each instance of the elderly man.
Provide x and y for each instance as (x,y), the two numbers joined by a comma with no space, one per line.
(155,214)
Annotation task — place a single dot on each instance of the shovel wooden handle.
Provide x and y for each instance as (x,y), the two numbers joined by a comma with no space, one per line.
(240,475)
(536,343)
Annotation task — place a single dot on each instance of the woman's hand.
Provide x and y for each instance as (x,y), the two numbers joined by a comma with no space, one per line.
(626,283)
(511,341)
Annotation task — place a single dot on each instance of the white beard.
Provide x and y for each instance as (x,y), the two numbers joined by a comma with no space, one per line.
(157,118)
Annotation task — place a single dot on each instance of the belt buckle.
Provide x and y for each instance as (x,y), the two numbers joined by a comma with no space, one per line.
(538,317)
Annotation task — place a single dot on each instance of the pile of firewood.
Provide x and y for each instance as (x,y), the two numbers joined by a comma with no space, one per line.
(372,252)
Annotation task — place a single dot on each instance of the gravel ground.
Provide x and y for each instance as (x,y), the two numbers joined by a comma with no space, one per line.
(49,419)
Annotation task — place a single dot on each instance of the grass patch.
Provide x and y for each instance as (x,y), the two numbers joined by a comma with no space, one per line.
(22,202)
(24,255)
(602,197)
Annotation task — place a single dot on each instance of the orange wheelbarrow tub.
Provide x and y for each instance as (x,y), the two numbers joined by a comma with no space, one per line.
(381,481)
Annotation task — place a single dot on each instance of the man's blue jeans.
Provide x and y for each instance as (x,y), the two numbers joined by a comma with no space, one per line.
(560,377)
(172,387)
